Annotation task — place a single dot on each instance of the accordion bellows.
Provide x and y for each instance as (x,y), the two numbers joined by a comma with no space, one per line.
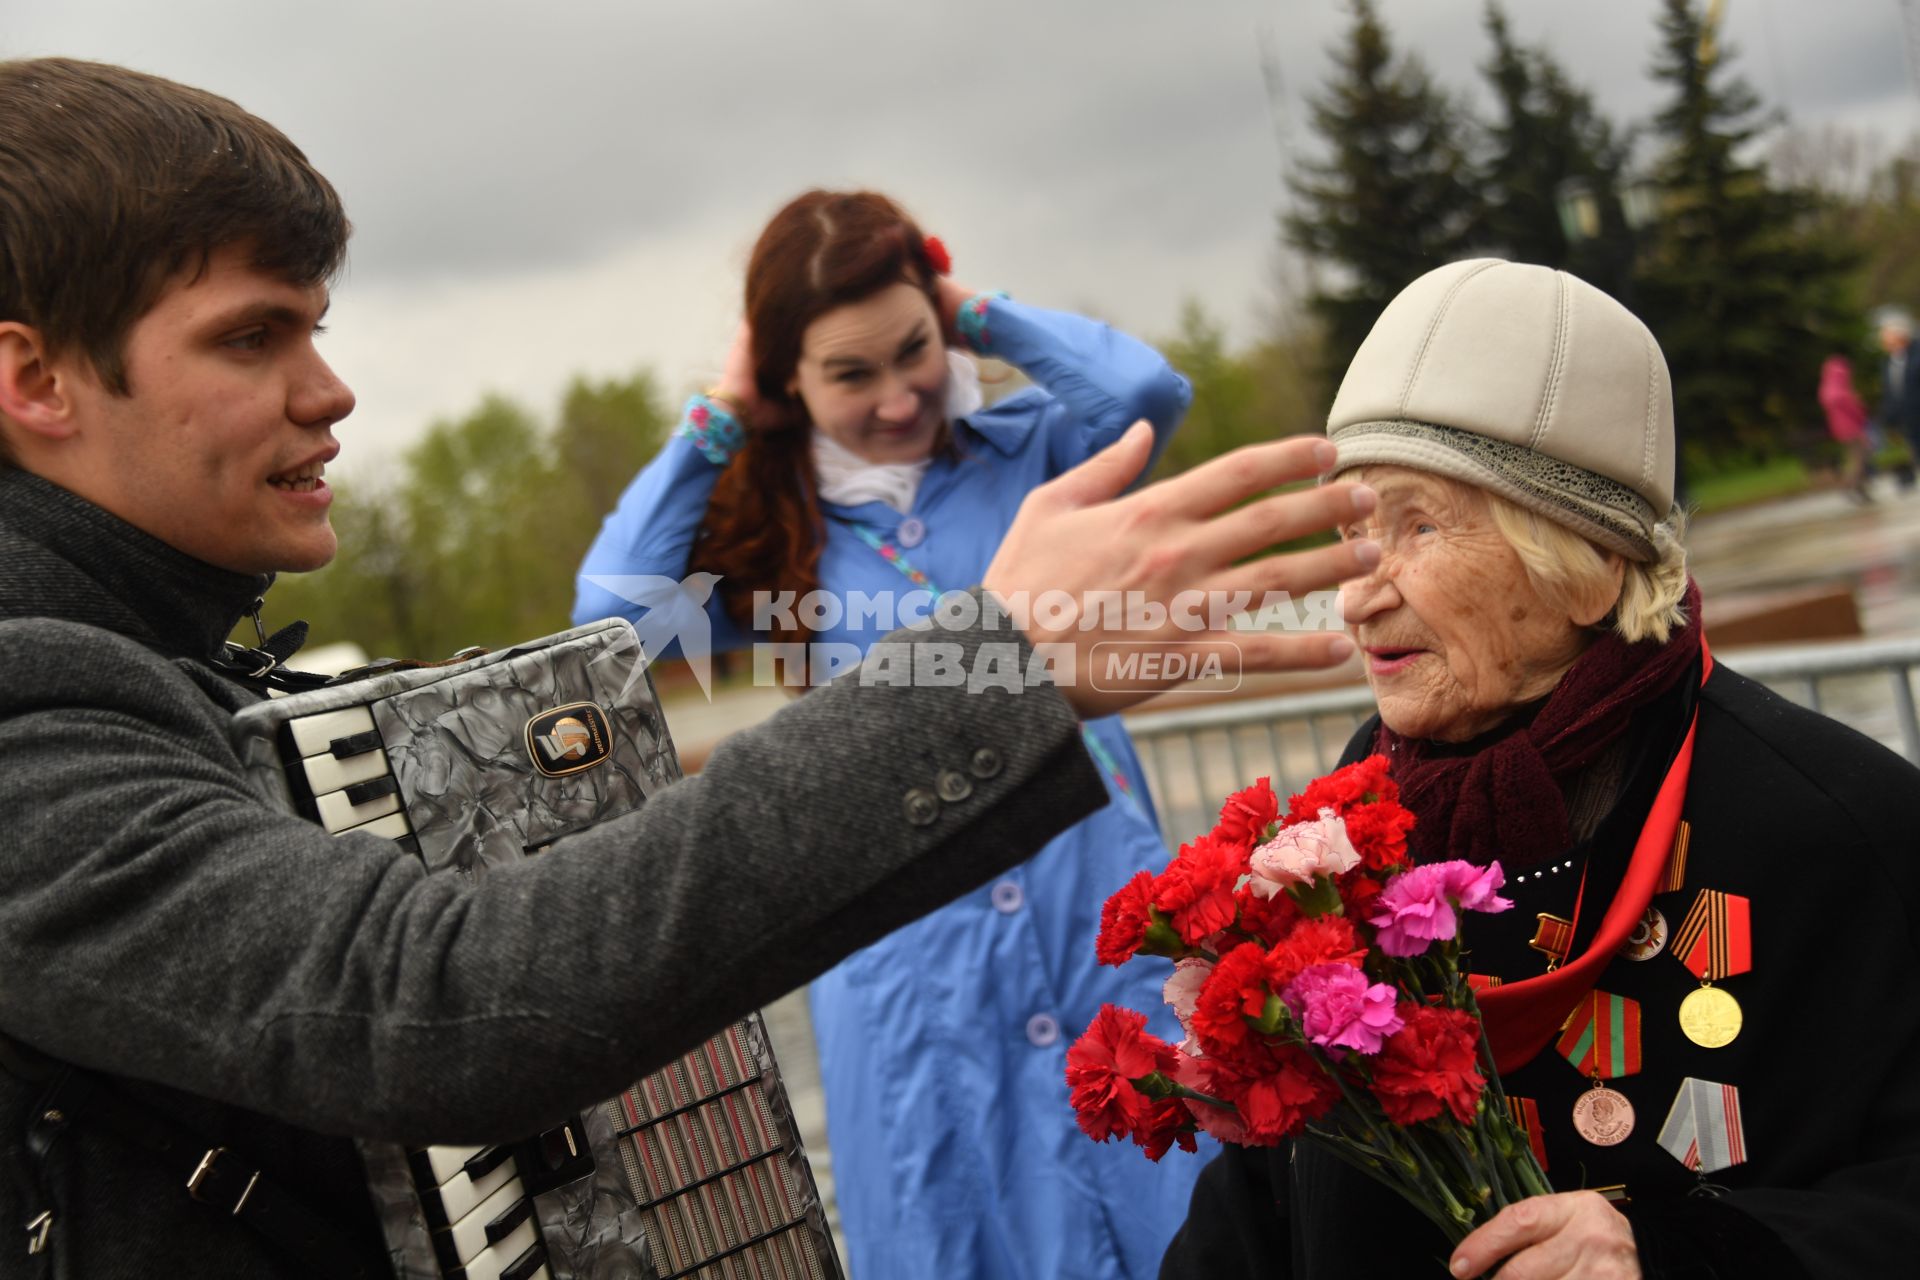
(696,1170)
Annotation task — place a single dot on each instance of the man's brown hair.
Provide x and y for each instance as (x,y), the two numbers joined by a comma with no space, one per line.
(113,181)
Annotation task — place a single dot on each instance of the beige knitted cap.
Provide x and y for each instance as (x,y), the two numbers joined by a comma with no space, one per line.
(1524,381)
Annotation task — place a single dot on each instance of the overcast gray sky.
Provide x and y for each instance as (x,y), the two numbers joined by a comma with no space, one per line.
(571,187)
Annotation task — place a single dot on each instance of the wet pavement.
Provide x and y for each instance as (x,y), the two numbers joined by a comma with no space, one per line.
(1821,539)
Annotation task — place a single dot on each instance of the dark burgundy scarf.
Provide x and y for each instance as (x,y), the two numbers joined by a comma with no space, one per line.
(1507,800)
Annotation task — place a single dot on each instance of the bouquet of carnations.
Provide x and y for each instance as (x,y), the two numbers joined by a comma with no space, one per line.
(1317,976)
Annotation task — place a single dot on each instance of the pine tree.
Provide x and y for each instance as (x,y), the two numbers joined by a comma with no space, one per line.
(1546,136)
(1392,198)
(1744,293)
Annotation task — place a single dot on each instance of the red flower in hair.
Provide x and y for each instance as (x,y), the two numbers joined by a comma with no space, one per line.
(1429,1063)
(937,256)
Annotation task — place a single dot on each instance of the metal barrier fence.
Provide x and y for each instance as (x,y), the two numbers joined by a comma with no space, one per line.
(1194,759)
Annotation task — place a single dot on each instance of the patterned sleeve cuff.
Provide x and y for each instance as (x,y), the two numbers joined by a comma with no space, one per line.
(712,428)
(971,323)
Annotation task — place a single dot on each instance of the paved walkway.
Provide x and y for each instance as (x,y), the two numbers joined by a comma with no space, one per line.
(1821,539)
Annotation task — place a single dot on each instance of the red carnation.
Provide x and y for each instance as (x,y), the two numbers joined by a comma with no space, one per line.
(1429,1063)
(1124,920)
(1165,1123)
(1196,889)
(1275,1093)
(1102,1065)
(937,256)
(1320,940)
(1236,990)
(1268,919)
(1245,815)
(1363,782)
(1357,892)
(1379,833)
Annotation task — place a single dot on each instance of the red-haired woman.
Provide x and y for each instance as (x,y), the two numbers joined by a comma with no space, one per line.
(842,469)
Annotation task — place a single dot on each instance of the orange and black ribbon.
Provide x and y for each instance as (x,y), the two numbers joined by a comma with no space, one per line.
(1602,1037)
(1676,874)
(1716,939)
(1526,1118)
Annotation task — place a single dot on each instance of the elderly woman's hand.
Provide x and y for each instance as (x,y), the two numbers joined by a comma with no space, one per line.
(1577,1235)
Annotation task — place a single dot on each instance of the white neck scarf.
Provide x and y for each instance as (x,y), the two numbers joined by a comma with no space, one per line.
(848,479)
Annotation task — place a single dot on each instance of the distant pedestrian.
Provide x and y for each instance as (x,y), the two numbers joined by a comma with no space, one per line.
(1847,423)
(1900,388)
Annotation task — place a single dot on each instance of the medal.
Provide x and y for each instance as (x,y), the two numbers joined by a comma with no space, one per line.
(1710,1017)
(1703,1130)
(1649,937)
(1602,1040)
(1714,941)
(1602,1116)
(1551,938)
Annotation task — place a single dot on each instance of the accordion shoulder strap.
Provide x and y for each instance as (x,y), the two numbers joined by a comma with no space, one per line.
(224,1180)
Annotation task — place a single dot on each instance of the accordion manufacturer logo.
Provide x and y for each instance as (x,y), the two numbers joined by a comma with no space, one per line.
(568,739)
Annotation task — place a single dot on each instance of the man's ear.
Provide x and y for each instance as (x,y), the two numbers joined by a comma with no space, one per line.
(36,395)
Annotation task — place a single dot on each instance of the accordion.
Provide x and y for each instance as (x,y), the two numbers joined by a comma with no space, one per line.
(696,1170)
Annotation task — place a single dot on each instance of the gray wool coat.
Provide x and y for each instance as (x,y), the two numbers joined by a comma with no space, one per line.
(279,989)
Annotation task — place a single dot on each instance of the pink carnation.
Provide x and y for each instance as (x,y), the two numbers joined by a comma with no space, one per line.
(1182,992)
(1300,854)
(1337,1008)
(1417,907)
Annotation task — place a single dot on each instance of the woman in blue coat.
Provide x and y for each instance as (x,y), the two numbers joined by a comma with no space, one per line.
(843,467)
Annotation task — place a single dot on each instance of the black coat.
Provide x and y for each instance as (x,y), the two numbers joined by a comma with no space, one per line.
(1816,826)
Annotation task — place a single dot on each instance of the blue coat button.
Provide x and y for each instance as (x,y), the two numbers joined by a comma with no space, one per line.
(1043,1029)
(912,532)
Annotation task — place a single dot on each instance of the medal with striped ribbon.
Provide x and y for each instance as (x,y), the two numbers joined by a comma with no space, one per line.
(1602,1041)
(1714,941)
(1703,1130)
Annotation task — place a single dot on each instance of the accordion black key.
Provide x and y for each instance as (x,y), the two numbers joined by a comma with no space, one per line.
(695,1171)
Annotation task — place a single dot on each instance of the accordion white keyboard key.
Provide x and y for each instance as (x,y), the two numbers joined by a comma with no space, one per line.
(343,811)
(486,1224)
(454,1198)
(336,773)
(313,735)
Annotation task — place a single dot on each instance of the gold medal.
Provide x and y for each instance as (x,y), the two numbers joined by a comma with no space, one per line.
(1710,1017)
(1602,1116)
(1649,937)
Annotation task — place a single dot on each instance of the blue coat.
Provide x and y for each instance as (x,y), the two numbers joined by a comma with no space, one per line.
(943,1047)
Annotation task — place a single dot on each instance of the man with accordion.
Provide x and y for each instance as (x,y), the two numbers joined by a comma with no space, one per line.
(224,1002)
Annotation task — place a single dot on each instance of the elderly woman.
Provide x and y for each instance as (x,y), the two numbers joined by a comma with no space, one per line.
(1735,875)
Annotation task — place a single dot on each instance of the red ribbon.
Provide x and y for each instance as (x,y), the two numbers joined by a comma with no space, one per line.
(1523,1017)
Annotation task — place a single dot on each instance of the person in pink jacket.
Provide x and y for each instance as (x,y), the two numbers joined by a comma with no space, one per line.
(1847,421)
